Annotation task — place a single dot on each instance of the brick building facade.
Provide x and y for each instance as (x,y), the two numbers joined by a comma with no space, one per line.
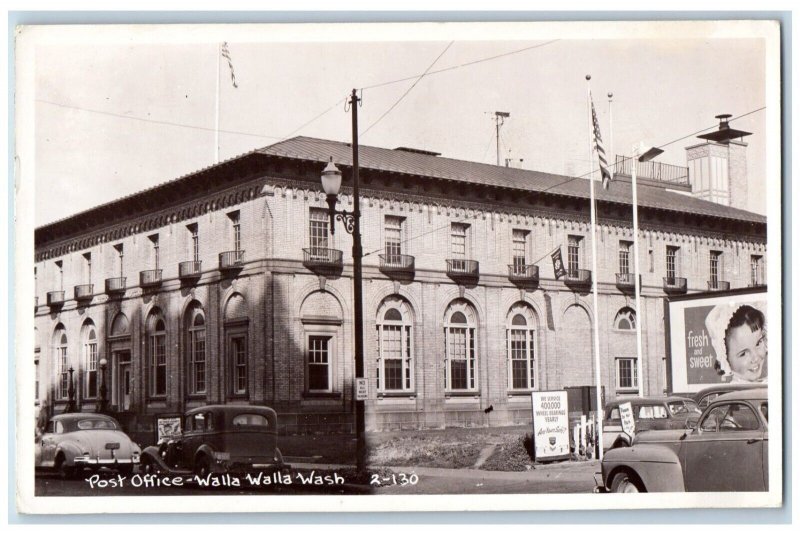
(226,286)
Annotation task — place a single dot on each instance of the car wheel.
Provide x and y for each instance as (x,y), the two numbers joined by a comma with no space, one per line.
(148,466)
(202,466)
(623,482)
(64,470)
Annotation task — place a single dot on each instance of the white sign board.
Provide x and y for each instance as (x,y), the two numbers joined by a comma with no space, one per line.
(361,388)
(550,425)
(626,416)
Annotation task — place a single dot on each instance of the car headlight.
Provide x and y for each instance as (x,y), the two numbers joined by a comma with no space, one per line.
(222,456)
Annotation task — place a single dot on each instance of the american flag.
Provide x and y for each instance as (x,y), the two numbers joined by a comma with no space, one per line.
(598,145)
(227,55)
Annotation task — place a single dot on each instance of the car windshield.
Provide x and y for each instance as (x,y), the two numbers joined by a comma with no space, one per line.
(650,412)
(95,423)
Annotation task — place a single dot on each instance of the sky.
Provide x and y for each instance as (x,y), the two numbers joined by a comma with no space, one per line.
(116,116)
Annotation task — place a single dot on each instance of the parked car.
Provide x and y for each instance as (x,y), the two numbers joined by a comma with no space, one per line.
(219,439)
(76,441)
(726,450)
(707,395)
(670,412)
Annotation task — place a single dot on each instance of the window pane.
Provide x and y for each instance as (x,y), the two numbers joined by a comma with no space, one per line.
(318,363)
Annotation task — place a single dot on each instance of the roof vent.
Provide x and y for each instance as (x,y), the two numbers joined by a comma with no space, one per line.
(418,151)
(724,134)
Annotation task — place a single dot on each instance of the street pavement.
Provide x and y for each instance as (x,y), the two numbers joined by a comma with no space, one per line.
(565,477)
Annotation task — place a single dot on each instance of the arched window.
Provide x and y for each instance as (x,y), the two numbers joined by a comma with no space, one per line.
(62,362)
(395,344)
(625,319)
(196,348)
(157,352)
(521,347)
(460,347)
(90,356)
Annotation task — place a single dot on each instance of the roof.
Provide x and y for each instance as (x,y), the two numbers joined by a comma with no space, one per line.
(750,394)
(426,165)
(727,387)
(231,408)
(647,399)
(70,416)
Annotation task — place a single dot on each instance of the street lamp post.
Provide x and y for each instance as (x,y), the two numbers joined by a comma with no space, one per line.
(71,406)
(640,154)
(331,183)
(102,404)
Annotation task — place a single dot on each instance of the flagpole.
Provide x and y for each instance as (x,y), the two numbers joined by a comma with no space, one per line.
(216,111)
(597,375)
(611,135)
(636,280)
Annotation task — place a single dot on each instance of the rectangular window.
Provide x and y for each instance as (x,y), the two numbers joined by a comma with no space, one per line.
(318,229)
(624,257)
(460,358)
(393,236)
(60,274)
(626,374)
(158,365)
(519,242)
(63,370)
(714,267)
(239,364)
(120,255)
(521,359)
(574,254)
(155,250)
(672,263)
(756,270)
(458,240)
(194,242)
(198,360)
(87,268)
(237,230)
(319,364)
(91,369)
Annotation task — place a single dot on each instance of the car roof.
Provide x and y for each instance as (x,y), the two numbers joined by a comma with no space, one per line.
(231,409)
(749,394)
(647,399)
(727,387)
(68,417)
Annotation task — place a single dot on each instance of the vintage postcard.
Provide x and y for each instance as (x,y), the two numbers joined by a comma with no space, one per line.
(369,267)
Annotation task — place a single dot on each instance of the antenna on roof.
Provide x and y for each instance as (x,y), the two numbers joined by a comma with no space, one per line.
(499,119)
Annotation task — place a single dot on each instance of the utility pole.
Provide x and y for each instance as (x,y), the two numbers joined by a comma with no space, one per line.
(499,120)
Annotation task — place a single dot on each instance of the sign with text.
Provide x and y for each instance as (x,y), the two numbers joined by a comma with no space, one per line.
(550,425)
(626,416)
(361,389)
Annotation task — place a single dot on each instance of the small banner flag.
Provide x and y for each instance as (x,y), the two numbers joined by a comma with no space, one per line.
(598,145)
(227,55)
(558,264)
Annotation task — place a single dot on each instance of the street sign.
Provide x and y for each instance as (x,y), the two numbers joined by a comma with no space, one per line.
(550,425)
(626,416)
(361,389)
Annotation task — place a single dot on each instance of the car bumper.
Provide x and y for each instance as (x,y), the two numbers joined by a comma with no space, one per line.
(95,462)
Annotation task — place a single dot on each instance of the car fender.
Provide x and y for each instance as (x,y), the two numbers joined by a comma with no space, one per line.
(656,466)
(151,454)
(69,450)
(205,449)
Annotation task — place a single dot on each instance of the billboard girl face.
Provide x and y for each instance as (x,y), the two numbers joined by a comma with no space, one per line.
(746,344)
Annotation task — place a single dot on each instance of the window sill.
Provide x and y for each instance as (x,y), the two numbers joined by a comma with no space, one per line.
(409,394)
(628,390)
(466,394)
(198,396)
(520,393)
(322,395)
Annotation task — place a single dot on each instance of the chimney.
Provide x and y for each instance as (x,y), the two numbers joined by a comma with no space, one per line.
(718,167)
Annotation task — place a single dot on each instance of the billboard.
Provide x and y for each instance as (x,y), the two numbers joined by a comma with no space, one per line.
(716,338)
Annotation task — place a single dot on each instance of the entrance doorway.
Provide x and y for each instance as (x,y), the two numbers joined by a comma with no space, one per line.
(123,380)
